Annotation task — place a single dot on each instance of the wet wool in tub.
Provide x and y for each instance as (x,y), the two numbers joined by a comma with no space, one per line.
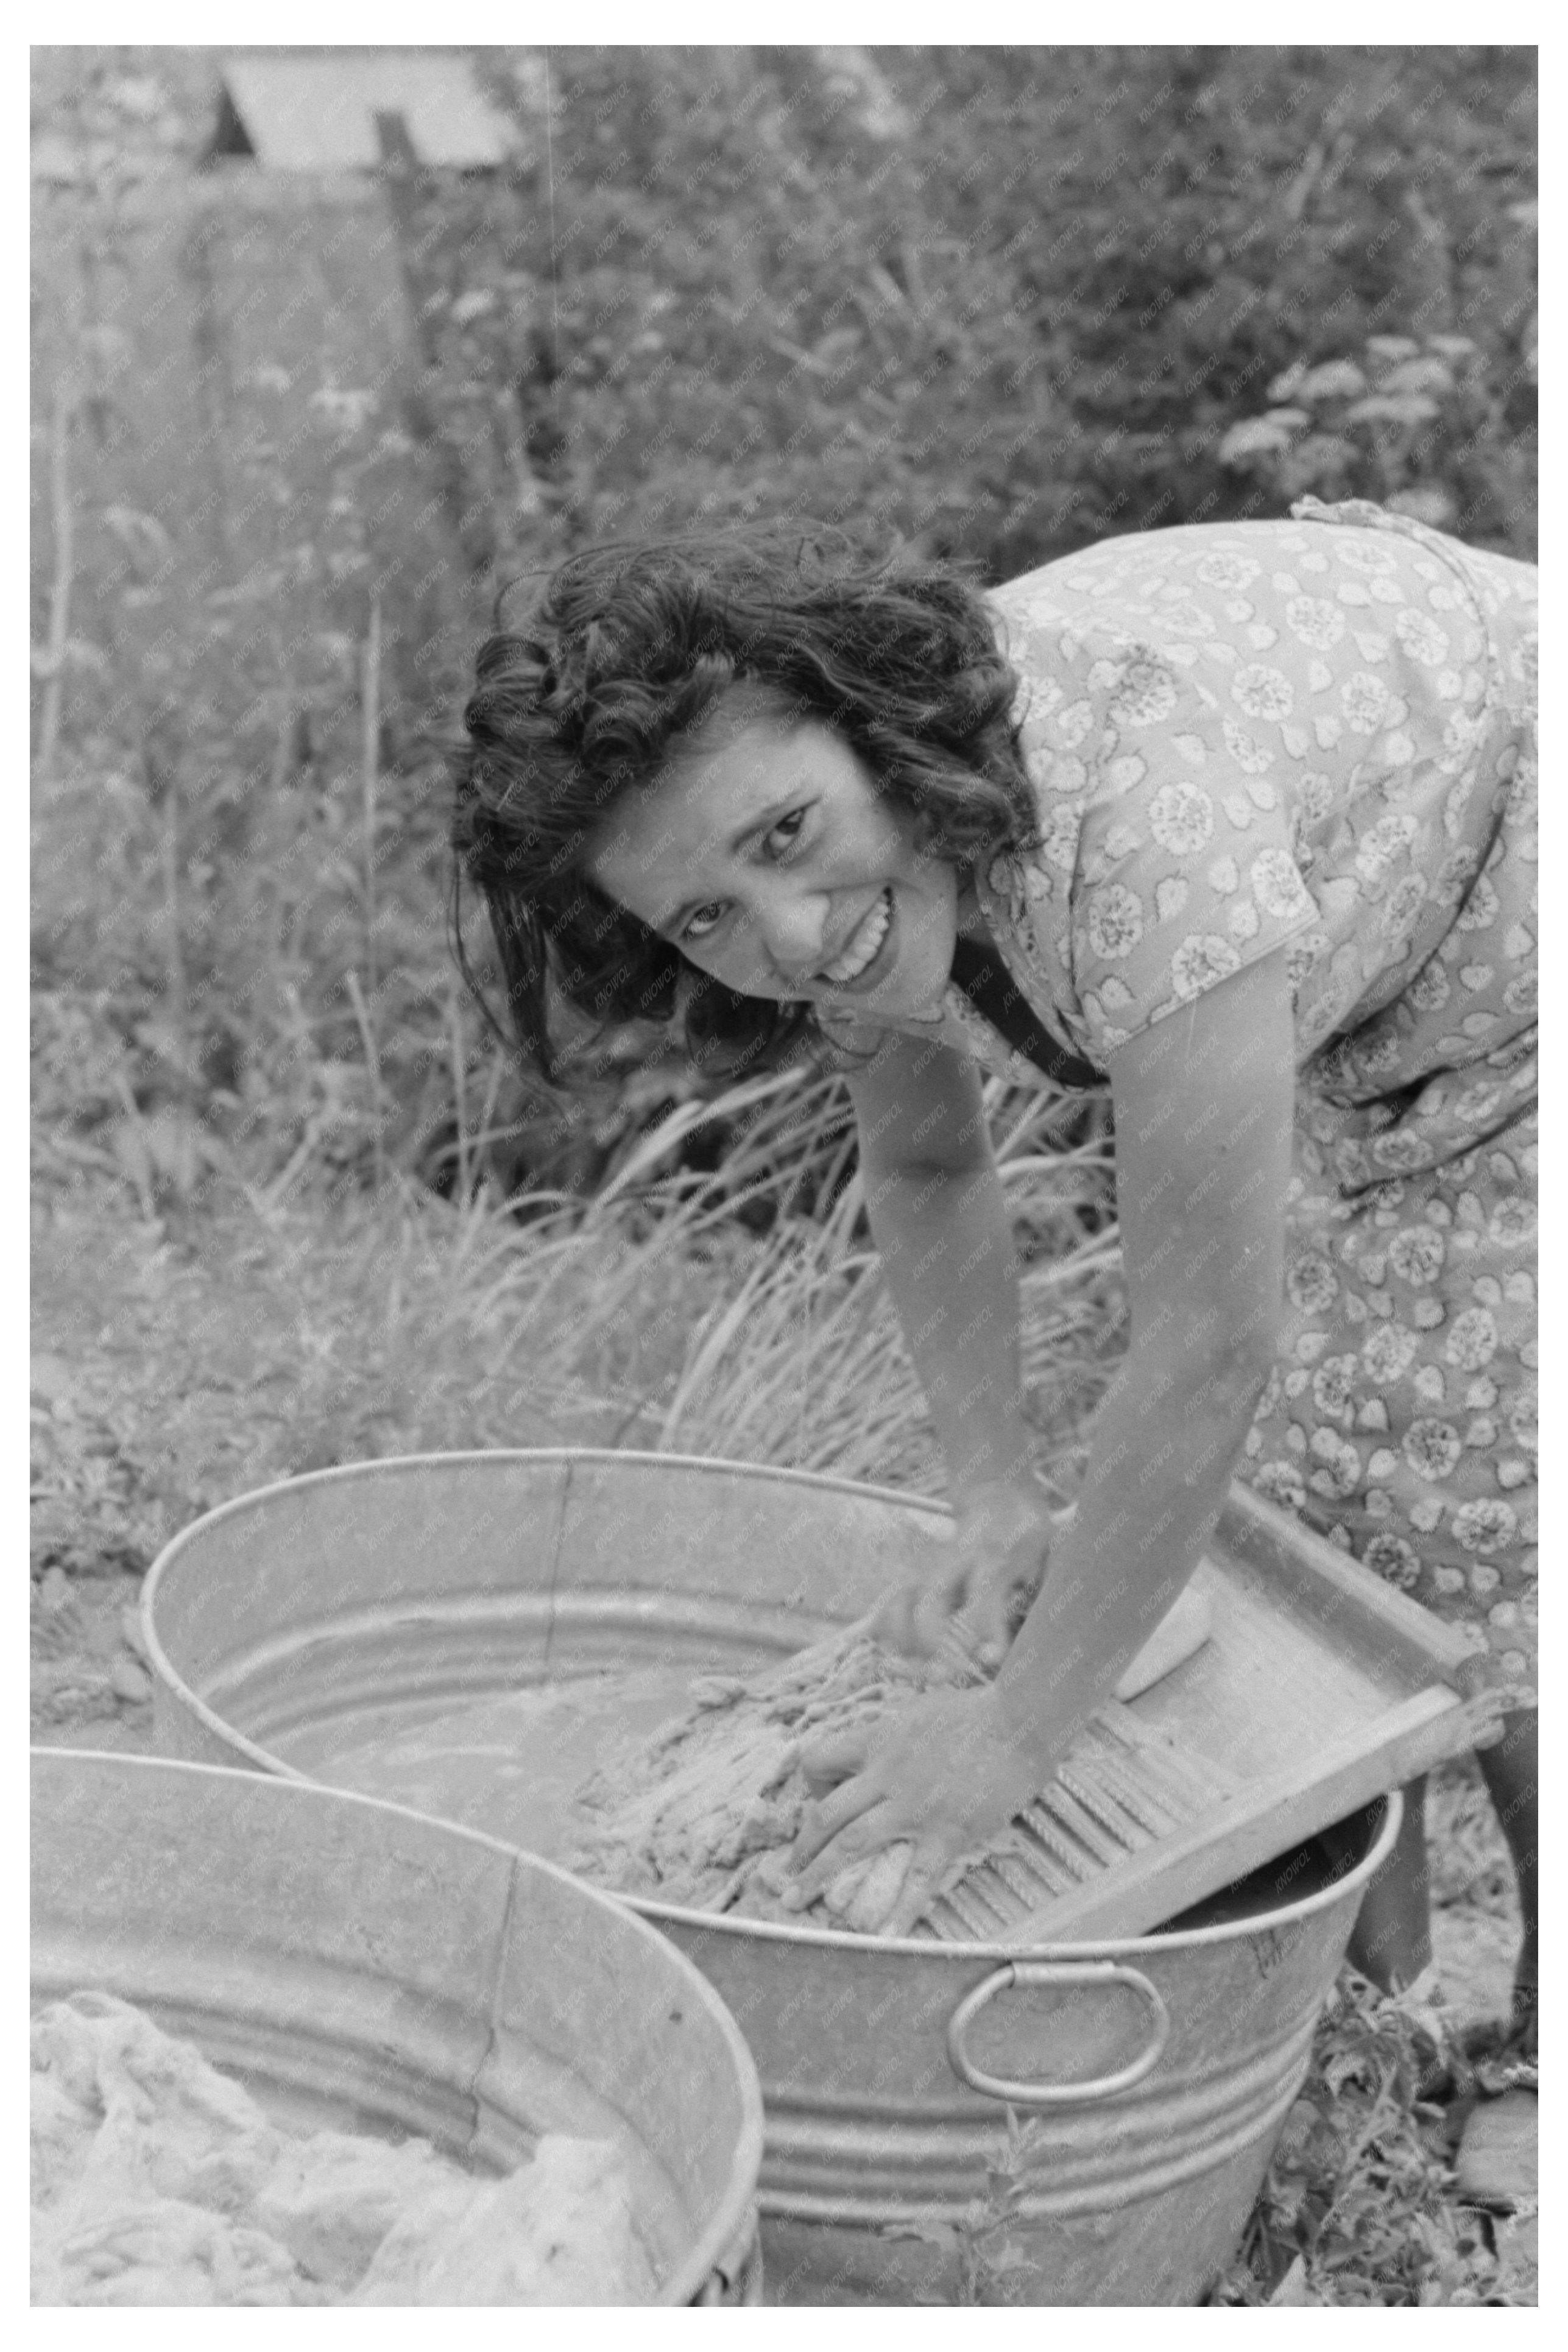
(157,2180)
(705,1811)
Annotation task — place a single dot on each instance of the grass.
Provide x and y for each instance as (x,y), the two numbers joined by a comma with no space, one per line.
(261,1338)
(1358,2207)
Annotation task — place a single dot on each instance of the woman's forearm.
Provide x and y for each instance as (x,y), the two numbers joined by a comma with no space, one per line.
(1165,1442)
(1204,1107)
(946,1246)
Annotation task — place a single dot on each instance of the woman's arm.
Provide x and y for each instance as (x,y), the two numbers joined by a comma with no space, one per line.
(1205,1108)
(941,1225)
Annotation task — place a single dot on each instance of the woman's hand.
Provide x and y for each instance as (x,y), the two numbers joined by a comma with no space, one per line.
(983,1579)
(944,1775)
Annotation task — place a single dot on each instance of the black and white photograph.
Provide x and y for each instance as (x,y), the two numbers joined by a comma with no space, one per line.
(784,1171)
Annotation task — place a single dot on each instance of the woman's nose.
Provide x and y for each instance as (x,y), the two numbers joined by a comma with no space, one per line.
(792,926)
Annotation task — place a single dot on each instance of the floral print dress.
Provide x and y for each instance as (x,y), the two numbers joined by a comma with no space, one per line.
(1319,735)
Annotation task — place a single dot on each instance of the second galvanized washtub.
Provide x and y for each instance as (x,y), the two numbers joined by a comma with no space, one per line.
(364,1968)
(314,1617)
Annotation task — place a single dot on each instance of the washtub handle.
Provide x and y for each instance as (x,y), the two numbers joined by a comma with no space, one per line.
(1056,1972)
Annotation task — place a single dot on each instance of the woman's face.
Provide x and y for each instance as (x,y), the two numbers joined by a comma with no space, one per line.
(765,852)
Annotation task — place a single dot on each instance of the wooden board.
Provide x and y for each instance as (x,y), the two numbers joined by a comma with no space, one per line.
(1321,1687)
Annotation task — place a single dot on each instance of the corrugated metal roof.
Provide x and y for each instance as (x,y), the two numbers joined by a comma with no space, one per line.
(318,115)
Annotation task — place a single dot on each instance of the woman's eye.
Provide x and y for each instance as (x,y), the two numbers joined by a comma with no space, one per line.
(705,921)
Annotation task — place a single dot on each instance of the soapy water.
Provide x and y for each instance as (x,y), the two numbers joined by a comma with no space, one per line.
(513,1763)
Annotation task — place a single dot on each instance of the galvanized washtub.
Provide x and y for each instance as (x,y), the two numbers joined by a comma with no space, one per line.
(333,1611)
(365,1967)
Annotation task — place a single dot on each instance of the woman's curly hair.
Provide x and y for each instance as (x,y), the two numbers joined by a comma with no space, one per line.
(629,648)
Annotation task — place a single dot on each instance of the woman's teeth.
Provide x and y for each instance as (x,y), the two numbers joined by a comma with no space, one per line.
(863,944)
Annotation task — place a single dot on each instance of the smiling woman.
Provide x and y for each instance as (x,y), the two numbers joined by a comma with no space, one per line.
(1244,813)
(855,715)
(768,857)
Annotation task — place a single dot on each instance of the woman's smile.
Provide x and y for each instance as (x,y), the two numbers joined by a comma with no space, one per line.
(864,950)
(767,853)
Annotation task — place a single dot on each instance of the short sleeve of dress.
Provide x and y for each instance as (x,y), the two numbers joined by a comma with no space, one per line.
(1185,871)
